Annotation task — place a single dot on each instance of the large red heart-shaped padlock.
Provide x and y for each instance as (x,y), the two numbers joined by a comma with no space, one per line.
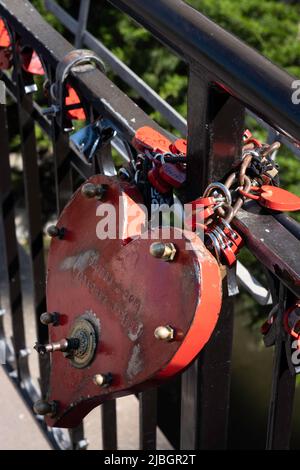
(127,311)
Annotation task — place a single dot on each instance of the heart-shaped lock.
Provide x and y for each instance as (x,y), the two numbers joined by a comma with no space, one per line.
(130,310)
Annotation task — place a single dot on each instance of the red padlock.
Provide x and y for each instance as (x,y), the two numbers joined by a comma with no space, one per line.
(231,233)
(124,331)
(5,47)
(291,320)
(197,219)
(31,62)
(157,182)
(179,147)
(228,248)
(5,40)
(147,138)
(172,174)
(72,98)
(249,139)
(274,198)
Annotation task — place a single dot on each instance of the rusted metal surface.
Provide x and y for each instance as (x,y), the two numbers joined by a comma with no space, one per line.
(104,282)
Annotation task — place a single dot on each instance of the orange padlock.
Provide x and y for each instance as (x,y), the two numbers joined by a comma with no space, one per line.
(5,47)
(273,198)
(147,138)
(172,174)
(157,182)
(31,61)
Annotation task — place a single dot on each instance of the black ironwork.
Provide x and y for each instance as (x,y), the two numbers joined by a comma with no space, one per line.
(225,77)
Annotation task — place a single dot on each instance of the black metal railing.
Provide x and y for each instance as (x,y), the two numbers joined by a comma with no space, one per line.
(225,77)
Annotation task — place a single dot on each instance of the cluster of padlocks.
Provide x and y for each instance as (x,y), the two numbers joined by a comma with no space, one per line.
(126,312)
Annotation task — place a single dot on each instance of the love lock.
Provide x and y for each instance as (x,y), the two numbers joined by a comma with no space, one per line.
(274,198)
(5,47)
(66,103)
(124,312)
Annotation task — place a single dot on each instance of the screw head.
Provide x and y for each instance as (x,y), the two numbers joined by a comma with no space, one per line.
(55,232)
(91,190)
(164,251)
(48,318)
(164,333)
(45,408)
(102,380)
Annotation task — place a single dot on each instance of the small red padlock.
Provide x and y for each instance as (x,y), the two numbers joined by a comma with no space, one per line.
(5,47)
(197,219)
(228,251)
(172,174)
(231,233)
(5,40)
(228,248)
(249,139)
(274,198)
(147,138)
(31,62)
(179,147)
(157,182)
(291,320)
(72,98)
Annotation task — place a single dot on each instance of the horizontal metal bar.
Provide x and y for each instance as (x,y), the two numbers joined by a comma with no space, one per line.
(57,438)
(133,80)
(272,243)
(121,69)
(279,137)
(94,86)
(76,160)
(243,72)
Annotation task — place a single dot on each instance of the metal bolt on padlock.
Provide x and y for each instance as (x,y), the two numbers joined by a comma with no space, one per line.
(90,190)
(56,232)
(64,345)
(48,318)
(103,380)
(164,333)
(164,251)
(45,408)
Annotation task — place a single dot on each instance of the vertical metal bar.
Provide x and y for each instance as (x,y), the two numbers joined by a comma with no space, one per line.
(215,128)
(34,214)
(62,167)
(283,387)
(206,387)
(109,425)
(10,249)
(102,164)
(78,441)
(63,190)
(148,419)
(82,22)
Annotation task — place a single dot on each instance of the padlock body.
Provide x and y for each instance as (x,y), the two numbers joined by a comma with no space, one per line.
(125,293)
